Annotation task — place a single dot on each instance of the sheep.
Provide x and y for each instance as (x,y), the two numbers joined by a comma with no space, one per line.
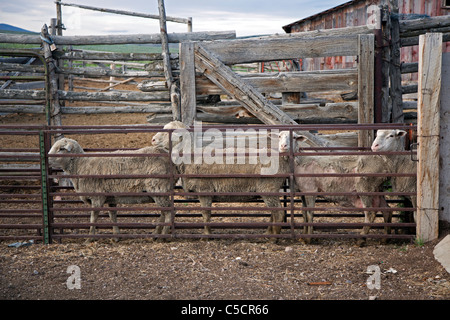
(115,165)
(245,184)
(337,164)
(394,140)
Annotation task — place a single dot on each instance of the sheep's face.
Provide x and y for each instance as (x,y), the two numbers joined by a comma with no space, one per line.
(284,144)
(161,140)
(389,140)
(63,146)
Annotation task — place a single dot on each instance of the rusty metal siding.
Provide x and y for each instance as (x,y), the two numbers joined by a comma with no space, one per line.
(354,13)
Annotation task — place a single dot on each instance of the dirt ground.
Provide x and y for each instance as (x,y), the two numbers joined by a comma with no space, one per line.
(142,269)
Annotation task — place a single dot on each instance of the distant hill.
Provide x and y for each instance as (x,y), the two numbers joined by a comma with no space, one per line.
(9,28)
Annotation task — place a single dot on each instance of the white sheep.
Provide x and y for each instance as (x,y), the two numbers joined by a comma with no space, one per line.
(394,140)
(257,185)
(113,166)
(337,164)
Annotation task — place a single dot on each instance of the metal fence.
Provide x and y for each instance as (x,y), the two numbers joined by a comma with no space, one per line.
(35,205)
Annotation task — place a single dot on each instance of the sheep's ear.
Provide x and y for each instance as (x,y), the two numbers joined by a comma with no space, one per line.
(300,137)
(401,133)
(68,146)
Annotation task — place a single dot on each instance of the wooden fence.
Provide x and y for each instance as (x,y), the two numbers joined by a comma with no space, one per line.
(80,74)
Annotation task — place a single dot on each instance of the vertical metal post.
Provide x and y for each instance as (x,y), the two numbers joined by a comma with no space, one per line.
(291,179)
(44,189)
(172,188)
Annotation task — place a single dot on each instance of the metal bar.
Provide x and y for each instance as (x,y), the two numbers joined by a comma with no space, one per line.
(44,190)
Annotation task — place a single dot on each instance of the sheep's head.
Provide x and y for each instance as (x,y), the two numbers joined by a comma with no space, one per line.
(389,140)
(284,143)
(63,146)
(161,139)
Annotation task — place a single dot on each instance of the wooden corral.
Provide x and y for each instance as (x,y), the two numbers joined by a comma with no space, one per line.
(204,82)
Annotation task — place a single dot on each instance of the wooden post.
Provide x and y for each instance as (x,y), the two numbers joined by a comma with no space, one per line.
(430,62)
(366,45)
(174,96)
(59,23)
(386,105)
(394,68)
(189,24)
(187,83)
(55,109)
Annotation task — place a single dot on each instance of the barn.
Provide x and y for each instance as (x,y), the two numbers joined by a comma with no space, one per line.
(359,12)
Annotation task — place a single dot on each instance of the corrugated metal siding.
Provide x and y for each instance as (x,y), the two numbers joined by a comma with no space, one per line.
(354,13)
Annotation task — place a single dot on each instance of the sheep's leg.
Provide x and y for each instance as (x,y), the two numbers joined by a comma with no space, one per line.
(165,216)
(387,217)
(369,217)
(113,217)
(206,202)
(92,229)
(276,215)
(308,215)
(414,203)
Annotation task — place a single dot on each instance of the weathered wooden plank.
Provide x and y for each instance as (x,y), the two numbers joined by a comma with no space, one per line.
(187,83)
(395,75)
(102,72)
(120,39)
(304,81)
(281,48)
(424,23)
(113,96)
(124,12)
(430,62)
(366,61)
(174,91)
(100,55)
(412,41)
(22,94)
(386,105)
(21,67)
(251,99)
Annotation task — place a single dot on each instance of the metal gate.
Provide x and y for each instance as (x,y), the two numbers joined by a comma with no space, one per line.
(35,207)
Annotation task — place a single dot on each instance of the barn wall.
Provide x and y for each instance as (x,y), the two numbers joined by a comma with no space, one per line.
(354,13)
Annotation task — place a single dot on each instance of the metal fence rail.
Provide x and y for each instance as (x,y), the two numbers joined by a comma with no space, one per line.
(33,206)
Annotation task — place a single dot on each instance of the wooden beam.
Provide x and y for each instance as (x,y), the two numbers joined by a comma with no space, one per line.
(126,13)
(430,62)
(282,48)
(120,39)
(187,83)
(303,81)
(366,45)
(174,91)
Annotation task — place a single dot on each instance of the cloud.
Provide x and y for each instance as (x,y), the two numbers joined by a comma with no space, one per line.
(250,17)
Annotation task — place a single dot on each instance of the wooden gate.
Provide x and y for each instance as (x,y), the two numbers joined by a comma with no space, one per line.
(212,60)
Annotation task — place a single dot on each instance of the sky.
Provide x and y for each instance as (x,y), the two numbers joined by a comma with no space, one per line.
(246,17)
